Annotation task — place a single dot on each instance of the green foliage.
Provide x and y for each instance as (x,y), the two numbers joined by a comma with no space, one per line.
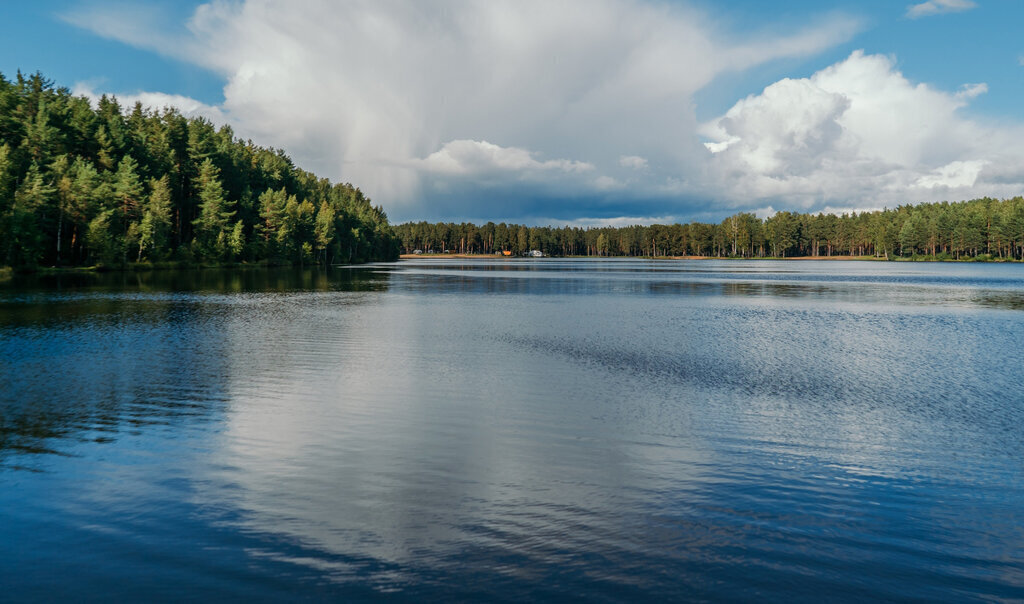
(28,217)
(103,246)
(324,230)
(8,177)
(215,213)
(236,240)
(981,229)
(155,228)
(82,185)
(917,234)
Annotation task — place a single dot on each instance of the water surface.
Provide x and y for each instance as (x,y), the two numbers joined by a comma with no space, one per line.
(516,429)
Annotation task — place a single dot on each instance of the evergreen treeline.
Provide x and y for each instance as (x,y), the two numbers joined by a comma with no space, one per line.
(979,229)
(84,186)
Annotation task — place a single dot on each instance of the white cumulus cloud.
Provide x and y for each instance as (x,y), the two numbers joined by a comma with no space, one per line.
(938,7)
(860,132)
(468,157)
(156,101)
(954,174)
(969,91)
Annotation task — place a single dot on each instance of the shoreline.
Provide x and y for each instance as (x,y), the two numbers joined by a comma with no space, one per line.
(793,258)
(7,272)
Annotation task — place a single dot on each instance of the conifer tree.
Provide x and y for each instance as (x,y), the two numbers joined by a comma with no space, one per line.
(106,157)
(40,137)
(271,229)
(128,196)
(215,212)
(236,240)
(324,230)
(154,230)
(8,177)
(33,201)
(103,249)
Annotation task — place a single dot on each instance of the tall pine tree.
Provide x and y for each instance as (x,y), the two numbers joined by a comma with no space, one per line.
(215,213)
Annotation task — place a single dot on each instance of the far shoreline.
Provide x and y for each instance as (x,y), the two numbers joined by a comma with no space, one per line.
(796,258)
(7,273)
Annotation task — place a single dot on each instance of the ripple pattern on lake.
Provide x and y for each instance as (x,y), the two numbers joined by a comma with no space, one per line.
(508,430)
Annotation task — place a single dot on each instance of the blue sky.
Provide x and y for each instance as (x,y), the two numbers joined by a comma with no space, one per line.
(978,45)
(587,112)
(36,38)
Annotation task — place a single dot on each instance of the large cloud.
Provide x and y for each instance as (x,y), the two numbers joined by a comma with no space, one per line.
(572,109)
(859,132)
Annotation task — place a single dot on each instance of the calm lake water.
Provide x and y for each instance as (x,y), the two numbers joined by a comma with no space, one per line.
(516,430)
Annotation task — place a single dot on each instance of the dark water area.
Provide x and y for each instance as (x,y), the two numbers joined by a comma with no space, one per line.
(509,430)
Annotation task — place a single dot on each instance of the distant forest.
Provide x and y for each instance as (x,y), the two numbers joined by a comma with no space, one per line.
(981,229)
(110,186)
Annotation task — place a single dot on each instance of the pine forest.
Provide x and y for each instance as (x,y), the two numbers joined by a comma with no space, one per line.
(110,186)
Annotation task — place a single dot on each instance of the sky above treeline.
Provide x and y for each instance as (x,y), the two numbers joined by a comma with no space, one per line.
(577,111)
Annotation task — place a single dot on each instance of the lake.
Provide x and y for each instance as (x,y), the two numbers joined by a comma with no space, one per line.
(511,430)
